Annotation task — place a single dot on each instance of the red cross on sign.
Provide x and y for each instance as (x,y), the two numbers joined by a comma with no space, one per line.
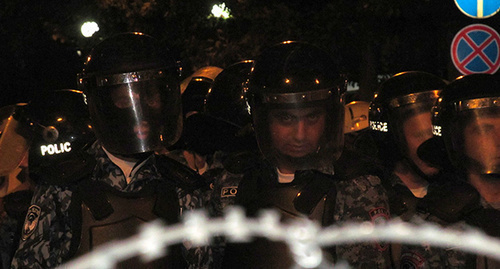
(476,49)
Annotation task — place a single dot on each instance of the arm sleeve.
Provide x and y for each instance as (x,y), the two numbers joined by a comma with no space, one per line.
(46,233)
(363,199)
(196,256)
(426,256)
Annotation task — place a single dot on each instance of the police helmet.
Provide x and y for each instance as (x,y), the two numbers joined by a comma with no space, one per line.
(13,145)
(225,103)
(356,116)
(132,86)
(467,118)
(58,123)
(193,91)
(304,78)
(13,153)
(195,87)
(399,116)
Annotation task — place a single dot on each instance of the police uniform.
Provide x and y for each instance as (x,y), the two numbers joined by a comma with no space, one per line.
(12,212)
(48,230)
(465,128)
(455,205)
(359,199)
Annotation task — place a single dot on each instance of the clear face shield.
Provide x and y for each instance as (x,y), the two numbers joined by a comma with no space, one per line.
(299,131)
(14,145)
(476,135)
(411,120)
(14,142)
(136,112)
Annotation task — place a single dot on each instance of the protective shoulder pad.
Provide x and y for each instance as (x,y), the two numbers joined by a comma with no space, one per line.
(179,174)
(315,186)
(450,201)
(73,169)
(239,162)
(353,164)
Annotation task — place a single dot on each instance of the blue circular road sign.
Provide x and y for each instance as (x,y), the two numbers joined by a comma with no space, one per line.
(476,49)
(478,9)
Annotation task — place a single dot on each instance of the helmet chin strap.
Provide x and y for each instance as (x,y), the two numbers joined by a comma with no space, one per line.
(414,168)
(476,167)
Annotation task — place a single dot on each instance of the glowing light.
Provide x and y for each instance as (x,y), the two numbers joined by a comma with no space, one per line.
(89,28)
(221,11)
(59,119)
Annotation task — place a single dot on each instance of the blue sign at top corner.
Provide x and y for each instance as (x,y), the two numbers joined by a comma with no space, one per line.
(478,9)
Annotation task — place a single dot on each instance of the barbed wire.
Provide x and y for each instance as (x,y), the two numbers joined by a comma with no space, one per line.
(304,237)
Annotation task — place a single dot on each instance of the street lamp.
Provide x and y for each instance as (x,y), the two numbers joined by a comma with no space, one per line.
(89,28)
(221,11)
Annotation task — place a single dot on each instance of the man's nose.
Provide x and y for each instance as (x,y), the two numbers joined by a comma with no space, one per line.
(300,130)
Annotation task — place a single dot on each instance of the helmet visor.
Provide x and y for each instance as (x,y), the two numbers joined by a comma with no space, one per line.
(298,131)
(136,117)
(476,135)
(14,143)
(411,121)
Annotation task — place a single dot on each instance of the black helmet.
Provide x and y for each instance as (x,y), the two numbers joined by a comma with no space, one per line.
(13,145)
(13,153)
(225,103)
(58,125)
(467,118)
(400,117)
(132,86)
(195,127)
(297,76)
(195,87)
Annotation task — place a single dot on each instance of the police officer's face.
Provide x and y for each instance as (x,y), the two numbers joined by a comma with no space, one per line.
(126,98)
(482,141)
(417,129)
(297,132)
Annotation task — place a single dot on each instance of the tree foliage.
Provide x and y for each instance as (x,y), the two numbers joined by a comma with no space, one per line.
(367,37)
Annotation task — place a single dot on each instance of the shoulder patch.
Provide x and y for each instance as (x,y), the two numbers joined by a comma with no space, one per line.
(31,221)
(379,216)
(412,260)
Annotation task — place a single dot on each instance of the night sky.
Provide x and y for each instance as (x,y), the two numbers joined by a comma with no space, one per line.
(37,53)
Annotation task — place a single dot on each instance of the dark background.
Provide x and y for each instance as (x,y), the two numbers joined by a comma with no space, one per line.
(41,47)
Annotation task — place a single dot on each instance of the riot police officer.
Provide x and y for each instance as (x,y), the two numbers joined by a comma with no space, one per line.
(466,128)
(131,86)
(400,121)
(190,149)
(57,126)
(295,95)
(16,188)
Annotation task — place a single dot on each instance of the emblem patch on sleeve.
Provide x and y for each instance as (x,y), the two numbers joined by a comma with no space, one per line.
(412,260)
(379,216)
(31,221)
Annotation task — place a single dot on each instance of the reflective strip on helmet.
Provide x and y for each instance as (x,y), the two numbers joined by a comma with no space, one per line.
(436,130)
(124,78)
(414,98)
(380,126)
(477,103)
(299,97)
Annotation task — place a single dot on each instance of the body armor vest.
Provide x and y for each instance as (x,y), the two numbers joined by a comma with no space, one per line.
(312,194)
(102,214)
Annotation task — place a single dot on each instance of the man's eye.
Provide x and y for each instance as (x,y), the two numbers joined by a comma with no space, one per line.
(285,118)
(313,117)
(487,128)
